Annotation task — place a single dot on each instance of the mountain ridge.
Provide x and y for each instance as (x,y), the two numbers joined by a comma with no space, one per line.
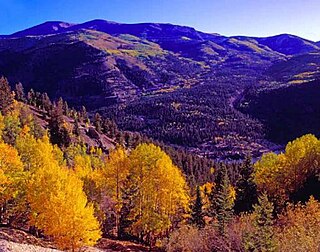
(169,82)
(54,27)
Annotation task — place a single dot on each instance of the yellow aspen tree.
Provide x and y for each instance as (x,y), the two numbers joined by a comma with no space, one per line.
(284,174)
(11,175)
(37,153)
(162,192)
(60,208)
(205,192)
(114,175)
(86,168)
(299,227)
(2,125)
(55,194)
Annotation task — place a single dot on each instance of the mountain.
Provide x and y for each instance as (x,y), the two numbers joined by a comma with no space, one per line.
(100,62)
(285,44)
(90,67)
(46,28)
(148,30)
(288,111)
(164,34)
(298,69)
(169,82)
(185,41)
(289,44)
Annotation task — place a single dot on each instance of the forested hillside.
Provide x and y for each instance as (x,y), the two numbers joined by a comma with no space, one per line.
(158,137)
(171,83)
(74,183)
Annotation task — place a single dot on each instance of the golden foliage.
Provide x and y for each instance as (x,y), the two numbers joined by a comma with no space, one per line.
(298,228)
(11,172)
(59,208)
(283,174)
(161,190)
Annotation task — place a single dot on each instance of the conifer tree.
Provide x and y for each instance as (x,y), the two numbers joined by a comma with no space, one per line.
(6,97)
(66,108)
(83,115)
(197,212)
(97,122)
(129,191)
(76,128)
(262,238)
(224,202)
(114,176)
(46,102)
(31,96)
(59,133)
(246,189)
(110,128)
(20,95)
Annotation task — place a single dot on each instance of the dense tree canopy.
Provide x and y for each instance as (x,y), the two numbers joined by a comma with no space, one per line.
(283,175)
(72,193)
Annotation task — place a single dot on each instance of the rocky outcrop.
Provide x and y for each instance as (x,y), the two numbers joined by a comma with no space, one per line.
(7,246)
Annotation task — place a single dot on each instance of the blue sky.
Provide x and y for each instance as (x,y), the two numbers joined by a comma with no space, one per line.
(227,17)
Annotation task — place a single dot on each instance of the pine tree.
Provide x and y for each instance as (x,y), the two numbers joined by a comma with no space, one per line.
(262,238)
(97,122)
(31,97)
(76,128)
(6,97)
(83,117)
(197,212)
(110,128)
(46,102)
(59,133)
(128,192)
(66,108)
(246,188)
(224,202)
(20,95)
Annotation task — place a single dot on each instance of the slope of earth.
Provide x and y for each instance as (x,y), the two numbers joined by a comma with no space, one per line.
(14,240)
(92,68)
(50,27)
(287,112)
(186,41)
(6,246)
(213,49)
(87,132)
(298,69)
(289,44)
(201,118)
(172,83)
(21,237)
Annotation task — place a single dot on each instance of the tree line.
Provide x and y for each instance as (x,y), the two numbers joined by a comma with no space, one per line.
(55,186)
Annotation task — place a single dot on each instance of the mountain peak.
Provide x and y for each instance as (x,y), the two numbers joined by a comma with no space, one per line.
(288,44)
(49,27)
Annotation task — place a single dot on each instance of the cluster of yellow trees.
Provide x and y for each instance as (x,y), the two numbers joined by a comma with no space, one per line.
(68,194)
(284,174)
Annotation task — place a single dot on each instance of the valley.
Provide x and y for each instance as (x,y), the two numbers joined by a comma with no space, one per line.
(171,83)
(158,137)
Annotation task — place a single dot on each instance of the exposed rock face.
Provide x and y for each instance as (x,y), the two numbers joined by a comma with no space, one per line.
(6,246)
(13,240)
